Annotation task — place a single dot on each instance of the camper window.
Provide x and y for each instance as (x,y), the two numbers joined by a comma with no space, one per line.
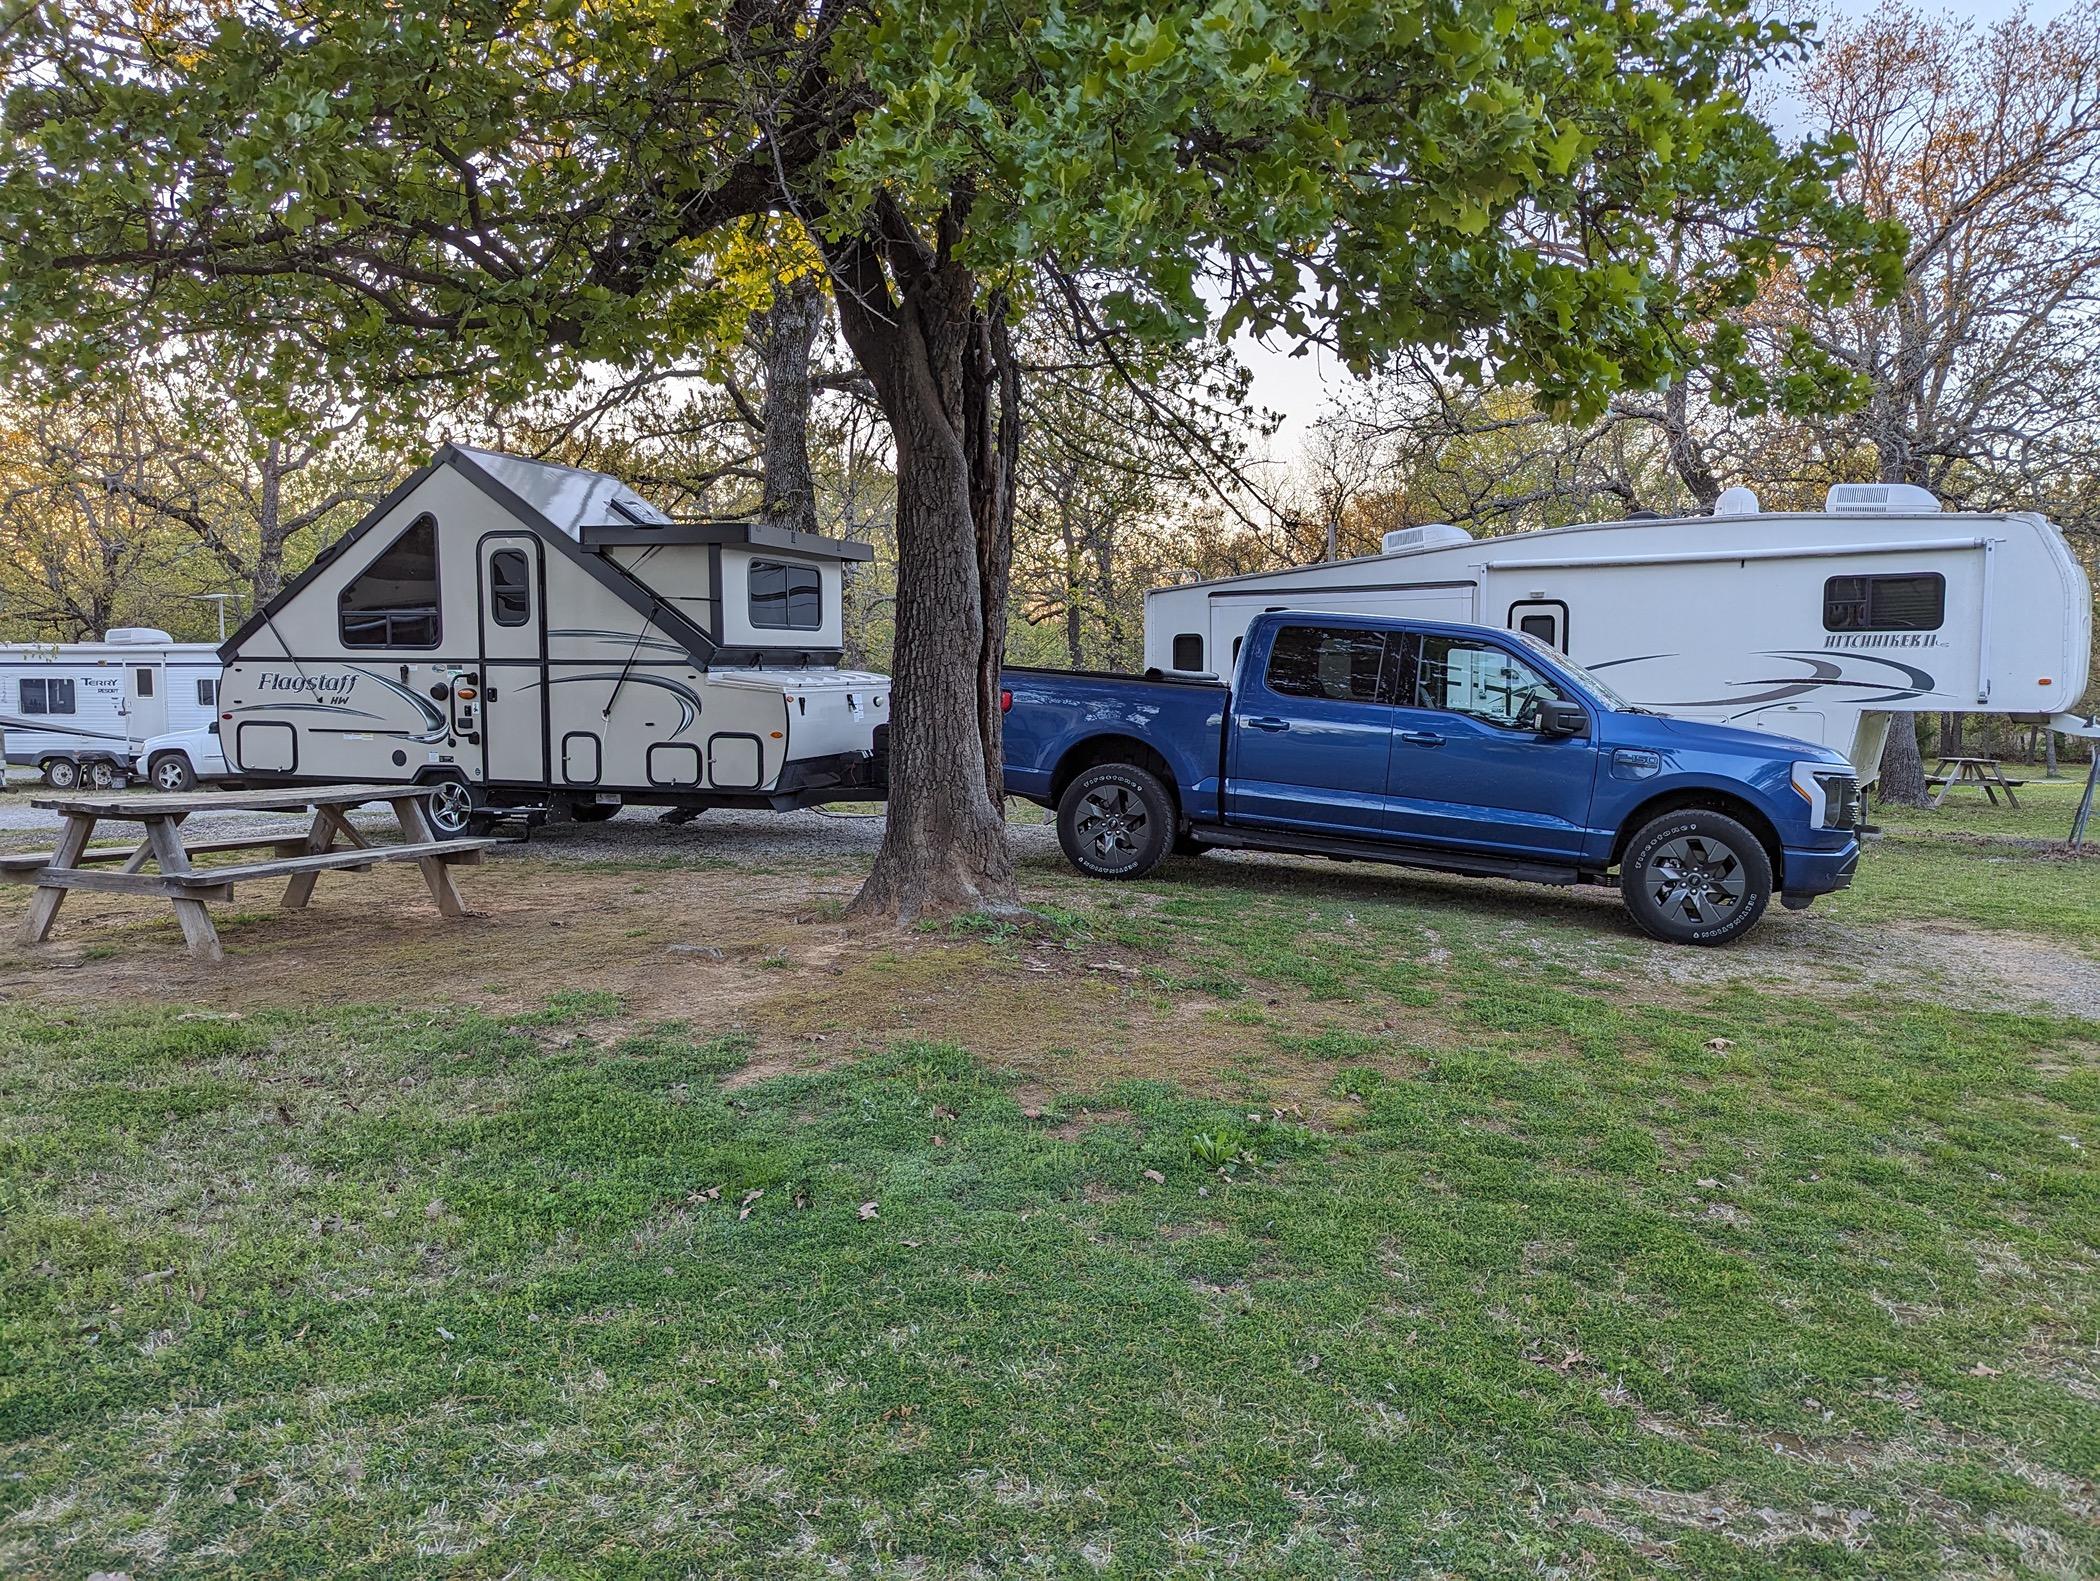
(41,695)
(1327,661)
(1915,602)
(510,590)
(1188,651)
(207,693)
(393,602)
(144,678)
(786,597)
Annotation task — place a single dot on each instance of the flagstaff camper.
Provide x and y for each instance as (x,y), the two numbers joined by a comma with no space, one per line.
(80,711)
(1815,624)
(520,634)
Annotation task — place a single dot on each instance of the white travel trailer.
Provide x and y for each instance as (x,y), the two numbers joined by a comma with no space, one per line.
(520,633)
(1816,624)
(81,710)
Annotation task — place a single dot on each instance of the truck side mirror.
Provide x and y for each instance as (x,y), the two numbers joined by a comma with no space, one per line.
(213,727)
(1558,717)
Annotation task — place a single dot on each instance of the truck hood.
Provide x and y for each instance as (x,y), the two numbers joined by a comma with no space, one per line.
(1751,743)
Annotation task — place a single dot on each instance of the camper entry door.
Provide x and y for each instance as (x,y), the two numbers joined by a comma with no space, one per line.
(513,658)
(145,702)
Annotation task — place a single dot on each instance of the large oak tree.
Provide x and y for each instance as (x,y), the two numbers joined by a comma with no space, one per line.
(442,191)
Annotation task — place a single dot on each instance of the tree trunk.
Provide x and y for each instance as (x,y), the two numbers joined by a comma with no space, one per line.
(1902,765)
(2054,773)
(1950,735)
(1686,458)
(943,372)
(785,332)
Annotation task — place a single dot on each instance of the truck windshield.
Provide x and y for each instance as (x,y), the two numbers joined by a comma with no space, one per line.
(1590,683)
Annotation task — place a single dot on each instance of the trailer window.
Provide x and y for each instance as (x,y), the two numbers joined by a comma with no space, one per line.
(1916,602)
(393,602)
(1479,680)
(145,679)
(786,597)
(44,695)
(1337,662)
(207,693)
(1188,651)
(510,590)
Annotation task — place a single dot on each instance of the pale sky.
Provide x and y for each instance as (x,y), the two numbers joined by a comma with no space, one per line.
(1299,386)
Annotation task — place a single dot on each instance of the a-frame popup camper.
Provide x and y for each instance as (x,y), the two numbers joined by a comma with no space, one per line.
(524,634)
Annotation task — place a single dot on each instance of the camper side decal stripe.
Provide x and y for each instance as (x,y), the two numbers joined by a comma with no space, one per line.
(688,699)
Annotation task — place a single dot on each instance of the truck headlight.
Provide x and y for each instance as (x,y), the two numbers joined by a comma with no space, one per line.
(1832,794)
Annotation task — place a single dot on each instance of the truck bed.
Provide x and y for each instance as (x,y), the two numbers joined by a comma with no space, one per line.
(1181,719)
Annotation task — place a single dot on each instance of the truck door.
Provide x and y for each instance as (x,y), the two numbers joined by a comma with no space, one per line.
(513,686)
(1468,766)
(1312,728)
(145,702)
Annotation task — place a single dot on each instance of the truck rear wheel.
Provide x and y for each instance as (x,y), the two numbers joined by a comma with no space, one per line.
(1695,877)
(1116,821)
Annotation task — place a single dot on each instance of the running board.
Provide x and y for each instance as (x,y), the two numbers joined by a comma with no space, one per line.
(1467,863)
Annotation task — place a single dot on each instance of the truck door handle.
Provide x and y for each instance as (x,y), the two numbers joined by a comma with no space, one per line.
(1269,724)
(1421,738)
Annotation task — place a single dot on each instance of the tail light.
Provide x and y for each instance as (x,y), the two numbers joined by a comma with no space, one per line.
(1006,700)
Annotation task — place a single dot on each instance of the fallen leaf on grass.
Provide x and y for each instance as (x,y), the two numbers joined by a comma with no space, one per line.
(1155,1177)
(434,1208)
(1983,1369)
(1719,1045)
(743,1209)
(868,1210)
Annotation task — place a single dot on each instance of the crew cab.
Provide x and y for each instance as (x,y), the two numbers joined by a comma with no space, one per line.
(1459,748)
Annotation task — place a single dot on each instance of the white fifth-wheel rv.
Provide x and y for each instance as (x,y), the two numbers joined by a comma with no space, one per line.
(78,712)
(522,634)
(1815,624)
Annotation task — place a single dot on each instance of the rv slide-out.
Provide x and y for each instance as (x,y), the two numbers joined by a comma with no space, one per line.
(524,633)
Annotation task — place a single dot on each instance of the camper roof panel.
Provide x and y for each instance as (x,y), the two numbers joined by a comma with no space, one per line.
(568,497)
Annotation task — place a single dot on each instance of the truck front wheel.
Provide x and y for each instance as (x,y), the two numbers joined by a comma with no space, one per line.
(1695,877)
(1116,821)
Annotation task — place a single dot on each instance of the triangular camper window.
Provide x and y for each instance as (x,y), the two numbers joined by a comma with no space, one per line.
(393,602)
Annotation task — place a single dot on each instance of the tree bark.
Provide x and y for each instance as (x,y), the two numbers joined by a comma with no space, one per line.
(1902,778)
(943,372)
(785,332)
(1686,458)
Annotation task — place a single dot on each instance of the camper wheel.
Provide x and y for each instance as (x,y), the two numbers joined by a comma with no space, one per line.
(452,809)
(102,773)
(61,773)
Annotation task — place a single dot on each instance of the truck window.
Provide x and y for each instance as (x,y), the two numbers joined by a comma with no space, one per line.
(1914,602)
(393,602)
(1188,651)
(786,597)
(1335,662)
(41,695)
(510,590)
(1480,680)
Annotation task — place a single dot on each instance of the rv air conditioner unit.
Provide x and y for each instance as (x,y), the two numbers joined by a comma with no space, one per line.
(136,636)
(1406,540)
(1880,499)
(1736,502)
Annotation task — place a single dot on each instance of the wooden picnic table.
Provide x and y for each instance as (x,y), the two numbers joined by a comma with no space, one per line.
(1988,773)
(301,855)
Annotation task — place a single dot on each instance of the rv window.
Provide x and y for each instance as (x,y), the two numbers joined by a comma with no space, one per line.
(510,589)
(786,597)
(1539,626)
(1885,603)
(393,602)
(1188,651)
(207,693)
(1327,661)
(1479,680)
(145,679)
(46,696)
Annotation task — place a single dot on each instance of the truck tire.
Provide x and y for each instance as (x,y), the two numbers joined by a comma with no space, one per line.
(1116,821)
(171,772)
(61,773)
(1695,877)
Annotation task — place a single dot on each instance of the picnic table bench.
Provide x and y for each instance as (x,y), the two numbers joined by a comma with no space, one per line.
(301,855)
(1988,773)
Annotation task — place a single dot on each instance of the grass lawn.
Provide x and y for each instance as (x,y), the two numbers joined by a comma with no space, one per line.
(1260,1220)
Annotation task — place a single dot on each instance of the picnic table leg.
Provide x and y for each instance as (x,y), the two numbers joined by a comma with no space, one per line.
(197,932)
(44,904)
(1946,784)
(318,839)
(415,828)
(2006,785)
(136,862)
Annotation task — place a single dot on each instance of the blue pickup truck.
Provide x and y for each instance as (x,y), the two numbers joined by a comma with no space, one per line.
(1459,748)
